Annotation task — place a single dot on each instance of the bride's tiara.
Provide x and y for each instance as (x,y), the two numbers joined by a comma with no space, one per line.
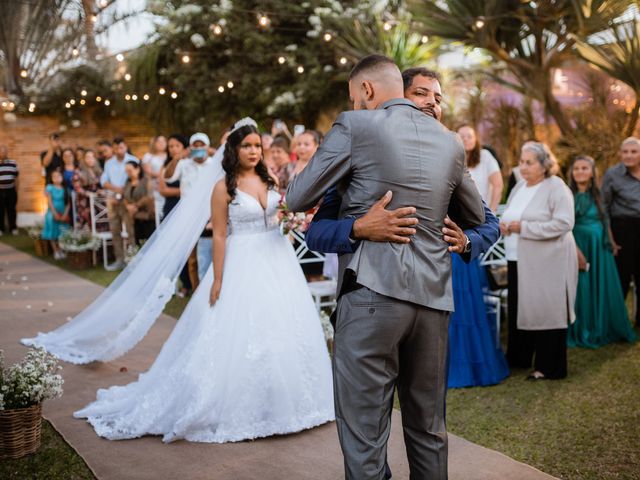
(243,123)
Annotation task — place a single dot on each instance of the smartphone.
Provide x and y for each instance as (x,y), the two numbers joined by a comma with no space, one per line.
(298,129)
(278,124)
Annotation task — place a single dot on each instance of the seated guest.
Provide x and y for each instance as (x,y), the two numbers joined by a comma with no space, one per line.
(113,180)
(542,266)
(601,315)
(621,199)
(85,181)
(139,203)
(105,152)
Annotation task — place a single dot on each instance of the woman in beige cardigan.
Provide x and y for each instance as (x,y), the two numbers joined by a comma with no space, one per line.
(543,265)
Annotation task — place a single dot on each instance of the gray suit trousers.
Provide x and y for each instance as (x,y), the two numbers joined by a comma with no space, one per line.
(380,343)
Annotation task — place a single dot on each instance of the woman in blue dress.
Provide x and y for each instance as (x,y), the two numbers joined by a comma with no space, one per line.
(57,216)
(475,357)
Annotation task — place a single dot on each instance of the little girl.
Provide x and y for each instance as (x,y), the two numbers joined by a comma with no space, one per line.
(57,217)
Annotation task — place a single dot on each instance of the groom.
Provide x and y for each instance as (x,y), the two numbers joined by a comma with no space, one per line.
(395,299)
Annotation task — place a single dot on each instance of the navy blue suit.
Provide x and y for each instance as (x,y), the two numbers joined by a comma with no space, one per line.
(327,234)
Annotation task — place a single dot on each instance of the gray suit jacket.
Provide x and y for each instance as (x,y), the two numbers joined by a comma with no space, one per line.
(397,148)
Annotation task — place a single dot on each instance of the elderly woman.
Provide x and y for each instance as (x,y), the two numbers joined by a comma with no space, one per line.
(543,265)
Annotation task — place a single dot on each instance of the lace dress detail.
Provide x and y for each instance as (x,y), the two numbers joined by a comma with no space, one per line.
(254,365)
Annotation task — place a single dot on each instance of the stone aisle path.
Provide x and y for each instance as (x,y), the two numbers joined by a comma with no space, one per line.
(36,296)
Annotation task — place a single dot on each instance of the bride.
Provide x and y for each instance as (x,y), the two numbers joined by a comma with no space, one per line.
(247,358)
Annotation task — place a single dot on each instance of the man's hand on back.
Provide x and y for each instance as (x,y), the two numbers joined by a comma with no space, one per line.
(381,225)
(454,236)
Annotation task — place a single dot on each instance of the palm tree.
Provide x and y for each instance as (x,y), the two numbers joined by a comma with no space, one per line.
(530,38)
(618,55)
(390,37)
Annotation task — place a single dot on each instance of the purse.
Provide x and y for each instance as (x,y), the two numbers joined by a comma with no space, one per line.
(497,277)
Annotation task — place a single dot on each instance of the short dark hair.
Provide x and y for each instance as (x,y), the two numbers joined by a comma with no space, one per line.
(104,142)
(410,73)
(281,141)
(118,140)
(317,136)
(368,63)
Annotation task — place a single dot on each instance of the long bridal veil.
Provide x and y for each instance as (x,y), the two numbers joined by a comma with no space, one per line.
(122,315)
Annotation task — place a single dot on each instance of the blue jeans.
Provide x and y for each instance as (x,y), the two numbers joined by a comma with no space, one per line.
(204,256)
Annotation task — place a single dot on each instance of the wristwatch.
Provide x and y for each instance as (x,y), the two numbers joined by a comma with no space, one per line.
(467,246)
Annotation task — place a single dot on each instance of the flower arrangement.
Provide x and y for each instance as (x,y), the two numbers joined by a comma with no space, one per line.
(78,241)
(293,221)
(35,231)
(327,328)
(30,382)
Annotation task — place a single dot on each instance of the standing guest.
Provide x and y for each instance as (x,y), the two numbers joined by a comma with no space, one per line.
(113,180)
(621,198)
(79,154)
(9,184)
(68,167)
(188,172)
(57,217)
(306,145)
(542,265)
(483,167)
(601,315)
(152,163)
(279,161)
(178,149)
(105,152)
(267,141)
(139,202)
(85,181)
(51,158)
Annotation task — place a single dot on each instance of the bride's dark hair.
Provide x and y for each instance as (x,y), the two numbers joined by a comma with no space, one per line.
(231,161)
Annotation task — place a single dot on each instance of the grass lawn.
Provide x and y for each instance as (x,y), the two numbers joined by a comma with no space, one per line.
(584,427)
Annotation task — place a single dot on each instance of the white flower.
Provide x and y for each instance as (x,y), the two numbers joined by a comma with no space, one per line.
(188,10)
(328,68)
(315,20)
(226,5)
(291,48)
(198,40)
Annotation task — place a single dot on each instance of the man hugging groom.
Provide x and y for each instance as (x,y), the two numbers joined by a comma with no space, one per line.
(394,298)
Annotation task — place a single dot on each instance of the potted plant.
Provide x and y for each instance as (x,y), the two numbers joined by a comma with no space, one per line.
(41,246)
(23,388)
(79,246)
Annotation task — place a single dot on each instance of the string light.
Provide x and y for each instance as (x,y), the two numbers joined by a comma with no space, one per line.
(98,99)
(174,95)
(327,37)
(32,107)
(83,101)
(127,97)
(75,52)
(67,105)
(12,106)
(424,39)
(162,91)
(134,97)
(83,93)
(216,29)
(343,60)
(94,18)
(24,73)
(479,23)
(72,101)
(229,85)
(5,104)
(104,3)
(127,76)
(300,69)
(386,26)
(120,57)
(263,21)
(145,97)
(221,89)
(107,102)
(186,59)
(281,60)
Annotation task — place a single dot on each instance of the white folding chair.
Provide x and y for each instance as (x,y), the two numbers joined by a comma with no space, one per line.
(324,291)
(494,299)
(100,216)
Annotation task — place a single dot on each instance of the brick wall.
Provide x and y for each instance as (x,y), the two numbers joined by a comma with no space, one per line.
(27,137)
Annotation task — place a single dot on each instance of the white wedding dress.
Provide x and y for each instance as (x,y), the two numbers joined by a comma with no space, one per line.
(254,365)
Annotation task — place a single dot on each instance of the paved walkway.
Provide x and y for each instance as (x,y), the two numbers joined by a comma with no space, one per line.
(36,296)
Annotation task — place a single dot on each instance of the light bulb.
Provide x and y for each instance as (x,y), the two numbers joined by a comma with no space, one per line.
(162,91)
(174,95)
(24,74)
(120,57)
(107,102)
(186,59)
(127,76)
(134,97)
(146,97)
(263,21)
(281,60)
(343,60)
(300,69)
(327,37)
(98,99)
(229,84)
(83,93)
(221,89)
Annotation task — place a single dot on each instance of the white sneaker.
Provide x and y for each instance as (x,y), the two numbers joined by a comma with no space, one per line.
(117,265)
(15,232)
